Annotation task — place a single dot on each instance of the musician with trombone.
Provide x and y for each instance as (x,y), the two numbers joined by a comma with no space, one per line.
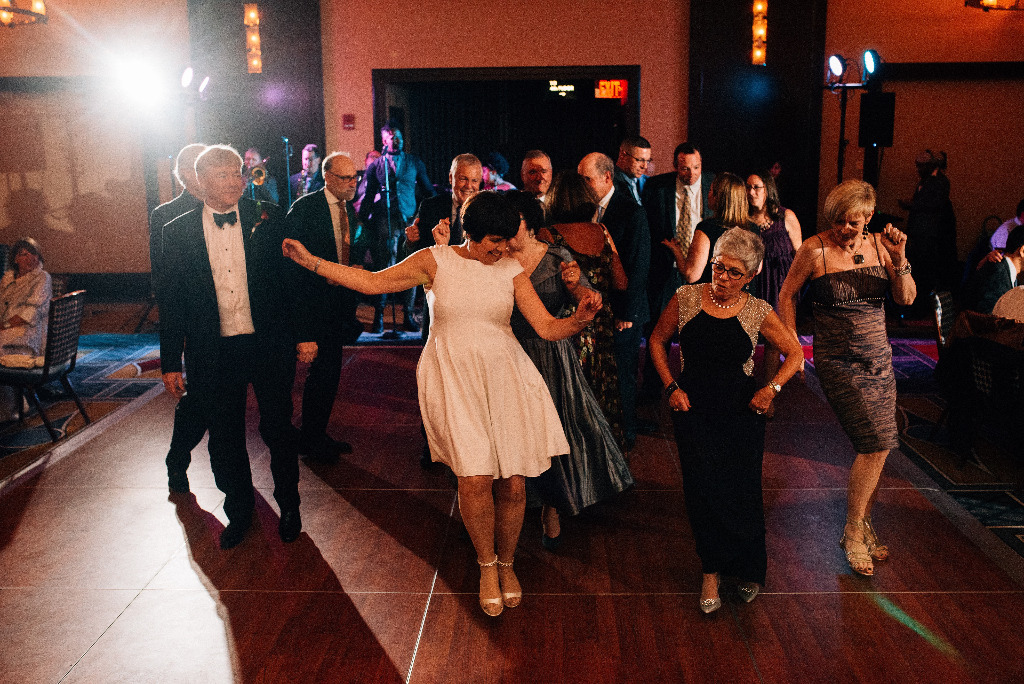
(260,185)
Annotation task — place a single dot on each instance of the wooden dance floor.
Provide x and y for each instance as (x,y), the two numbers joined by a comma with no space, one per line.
(104,578)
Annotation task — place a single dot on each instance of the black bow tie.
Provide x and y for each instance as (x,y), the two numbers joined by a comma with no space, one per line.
(229,218)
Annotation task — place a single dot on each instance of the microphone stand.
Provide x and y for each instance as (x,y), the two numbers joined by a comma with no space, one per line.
(288,170)
(388,158)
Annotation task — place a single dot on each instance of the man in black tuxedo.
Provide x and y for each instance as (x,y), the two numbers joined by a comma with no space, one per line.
(391,183)
(631,166)
(189,426)
(226,309)
(326,223)
(663,197)
(465,177)
(627,224)
(993,280)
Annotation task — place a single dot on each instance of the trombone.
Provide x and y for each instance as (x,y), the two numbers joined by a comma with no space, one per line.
(258,172)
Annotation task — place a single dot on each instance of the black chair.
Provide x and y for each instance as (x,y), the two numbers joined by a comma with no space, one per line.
(64,327)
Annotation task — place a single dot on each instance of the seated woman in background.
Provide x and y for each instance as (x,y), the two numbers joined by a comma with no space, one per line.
(24,309)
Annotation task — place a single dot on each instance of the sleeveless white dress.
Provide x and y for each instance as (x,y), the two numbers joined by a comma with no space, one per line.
(485,406)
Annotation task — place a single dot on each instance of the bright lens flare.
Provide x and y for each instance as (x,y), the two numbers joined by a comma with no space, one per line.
(186,77)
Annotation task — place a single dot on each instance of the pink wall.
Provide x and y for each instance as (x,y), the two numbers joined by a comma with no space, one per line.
(71,163)
(978,124)
(359,36)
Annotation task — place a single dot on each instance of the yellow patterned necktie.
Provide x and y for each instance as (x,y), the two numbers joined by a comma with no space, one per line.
(684,227)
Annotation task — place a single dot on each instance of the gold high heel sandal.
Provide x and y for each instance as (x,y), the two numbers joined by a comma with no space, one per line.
(511,598)
(488,604)
(878,550)
(711,605)
(857,558)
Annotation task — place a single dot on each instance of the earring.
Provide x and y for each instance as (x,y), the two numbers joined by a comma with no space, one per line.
(865,230)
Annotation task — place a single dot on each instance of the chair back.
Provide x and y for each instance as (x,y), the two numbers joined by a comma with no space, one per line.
(65,325)
(58,286)
(945,316)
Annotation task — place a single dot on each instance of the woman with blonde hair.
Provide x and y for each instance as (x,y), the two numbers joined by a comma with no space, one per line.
(728,197)
(850,271)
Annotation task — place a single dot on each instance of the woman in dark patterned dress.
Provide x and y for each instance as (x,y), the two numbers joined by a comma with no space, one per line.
(718,411)
(780,231)
(571,207)
(850,271)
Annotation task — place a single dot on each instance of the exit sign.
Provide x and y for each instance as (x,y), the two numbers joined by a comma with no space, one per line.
(612,89)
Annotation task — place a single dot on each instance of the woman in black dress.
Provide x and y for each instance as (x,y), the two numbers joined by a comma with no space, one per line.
(718,411)
(850,271)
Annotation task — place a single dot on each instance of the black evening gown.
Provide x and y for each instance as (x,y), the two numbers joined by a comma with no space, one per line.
(595,468)
(720,439)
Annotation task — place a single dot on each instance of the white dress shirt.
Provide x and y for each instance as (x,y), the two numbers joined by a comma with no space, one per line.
(342,238)
(230,280)
(602,205)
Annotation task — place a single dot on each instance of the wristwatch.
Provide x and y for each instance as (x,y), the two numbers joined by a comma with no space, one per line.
(776,387)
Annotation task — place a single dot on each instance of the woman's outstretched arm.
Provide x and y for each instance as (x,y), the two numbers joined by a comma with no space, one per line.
(418,269)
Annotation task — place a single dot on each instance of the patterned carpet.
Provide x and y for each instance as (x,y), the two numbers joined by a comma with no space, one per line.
(111,370)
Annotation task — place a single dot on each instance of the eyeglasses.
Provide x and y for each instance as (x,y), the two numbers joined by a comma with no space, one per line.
(733,273)
(343,179)
(640,160)
(755,187)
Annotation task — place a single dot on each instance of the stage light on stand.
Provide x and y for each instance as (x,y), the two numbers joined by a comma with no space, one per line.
(837,66)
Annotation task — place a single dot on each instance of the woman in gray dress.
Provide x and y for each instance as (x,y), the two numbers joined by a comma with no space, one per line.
(595,468)
(850,271)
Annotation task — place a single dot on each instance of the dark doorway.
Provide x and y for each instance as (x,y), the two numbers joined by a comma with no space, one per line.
(446,112)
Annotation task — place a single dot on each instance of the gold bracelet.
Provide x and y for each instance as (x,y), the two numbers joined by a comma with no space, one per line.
(902,270)
(317,267)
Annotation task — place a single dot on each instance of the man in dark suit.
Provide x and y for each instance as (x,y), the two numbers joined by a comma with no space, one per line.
(326,223)
(634,156)
(309,179)
(189,426)
(627,224)
(465,177)
(664,195)
(993,280)
(226,310)
(387,208)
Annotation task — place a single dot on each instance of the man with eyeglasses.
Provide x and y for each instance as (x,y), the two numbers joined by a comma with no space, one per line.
(325,314)
(631,167)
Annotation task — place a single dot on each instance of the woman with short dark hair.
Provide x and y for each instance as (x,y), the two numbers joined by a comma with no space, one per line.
(486,410)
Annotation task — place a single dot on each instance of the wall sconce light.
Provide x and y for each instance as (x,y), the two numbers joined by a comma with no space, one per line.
(13,14)
(253,54)
(987,5)
(759,51)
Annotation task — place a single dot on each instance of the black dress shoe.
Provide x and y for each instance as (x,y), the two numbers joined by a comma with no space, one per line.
(177,481)
(336,446)
(234,533)
(290,526)
(550,543)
